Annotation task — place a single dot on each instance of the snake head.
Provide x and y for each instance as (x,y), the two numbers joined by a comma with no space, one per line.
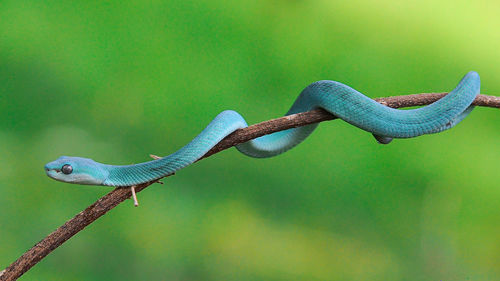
(76,170)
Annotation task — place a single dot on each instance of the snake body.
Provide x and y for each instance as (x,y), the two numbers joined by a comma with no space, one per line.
(340,100)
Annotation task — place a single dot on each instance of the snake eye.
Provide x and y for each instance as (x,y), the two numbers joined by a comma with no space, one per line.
(67,169)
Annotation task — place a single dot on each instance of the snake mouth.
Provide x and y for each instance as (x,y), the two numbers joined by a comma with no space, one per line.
(49,169)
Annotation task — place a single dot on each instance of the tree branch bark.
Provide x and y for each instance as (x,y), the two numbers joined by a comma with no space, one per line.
(118,195)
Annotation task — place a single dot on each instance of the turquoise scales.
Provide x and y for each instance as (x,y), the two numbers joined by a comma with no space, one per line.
(342,101)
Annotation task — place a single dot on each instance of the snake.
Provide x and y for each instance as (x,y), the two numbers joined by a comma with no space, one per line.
(340,100)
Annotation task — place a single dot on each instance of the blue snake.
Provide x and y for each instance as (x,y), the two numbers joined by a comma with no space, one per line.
(342,101)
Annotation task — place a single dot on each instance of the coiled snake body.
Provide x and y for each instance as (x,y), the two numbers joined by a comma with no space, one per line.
(342,101)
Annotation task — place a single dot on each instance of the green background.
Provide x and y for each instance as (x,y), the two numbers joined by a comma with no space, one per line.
(118,80)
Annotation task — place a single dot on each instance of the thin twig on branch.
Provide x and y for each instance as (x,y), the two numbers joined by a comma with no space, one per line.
(118,195)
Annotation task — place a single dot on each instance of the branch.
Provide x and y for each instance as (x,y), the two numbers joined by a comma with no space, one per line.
(118,195)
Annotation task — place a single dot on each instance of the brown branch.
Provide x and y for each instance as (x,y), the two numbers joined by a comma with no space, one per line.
(118,195)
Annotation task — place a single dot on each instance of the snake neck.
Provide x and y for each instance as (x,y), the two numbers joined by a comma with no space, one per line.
(223,124)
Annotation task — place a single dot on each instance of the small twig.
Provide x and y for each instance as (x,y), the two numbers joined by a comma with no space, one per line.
(118,195)
(132,190)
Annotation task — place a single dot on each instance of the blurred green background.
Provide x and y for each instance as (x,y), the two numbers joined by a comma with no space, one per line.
(118,80)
